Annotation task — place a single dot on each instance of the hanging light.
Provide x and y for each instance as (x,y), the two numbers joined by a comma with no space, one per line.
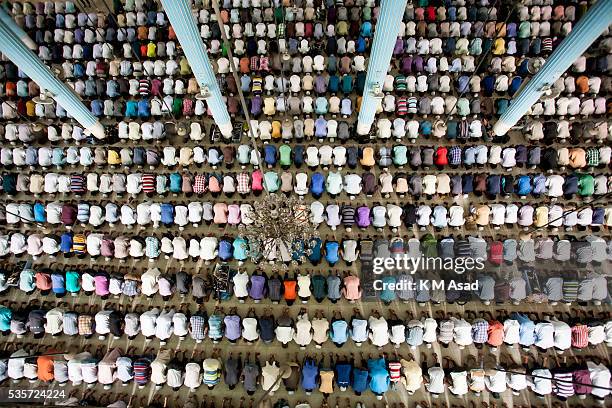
(279,223)
(204,93)
(45,98)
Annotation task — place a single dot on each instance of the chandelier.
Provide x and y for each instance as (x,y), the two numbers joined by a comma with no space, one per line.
(280,231)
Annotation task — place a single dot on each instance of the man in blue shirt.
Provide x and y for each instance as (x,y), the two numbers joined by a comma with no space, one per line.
(270,155)
(526,330)
(379,376)
(524,185)
(167,214)
(317,185)
(360,380)
(226,249)
(310,371)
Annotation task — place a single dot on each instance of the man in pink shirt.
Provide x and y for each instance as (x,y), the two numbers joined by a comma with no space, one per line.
(352,289)
(220,211)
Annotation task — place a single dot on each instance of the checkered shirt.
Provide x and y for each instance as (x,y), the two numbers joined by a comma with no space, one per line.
(454,155)
(198,326)
(243,180)
(130,287)
(199,184)
(480,331)
(254,63)
(85,325)
(592,157)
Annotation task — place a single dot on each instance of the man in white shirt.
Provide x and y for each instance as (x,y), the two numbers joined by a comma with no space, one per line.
(193,376)
(352,185)
(459,385)
(540,381)
(600,377)
(303,333)
(208,249)
(180,324)
(544,335)
(379,331)
(54,321)
(284,334)
(423,215)
(148,322)
(495,381)
(149,280)
(456,216)
(462,332)
(562,338)
(435,381)
(163,326)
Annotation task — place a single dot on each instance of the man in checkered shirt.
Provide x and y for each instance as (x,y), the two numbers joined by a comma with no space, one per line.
(480,331)
(243,179)
(197,324)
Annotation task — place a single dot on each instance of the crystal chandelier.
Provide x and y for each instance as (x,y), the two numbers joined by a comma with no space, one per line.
(280,232)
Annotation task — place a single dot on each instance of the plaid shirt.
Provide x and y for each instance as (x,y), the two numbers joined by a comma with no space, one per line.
(198,326)
(480,331)
(130,287)
(85,325)
(152,247)
(454,155)
(280,30)
(254,63)
(592,157)
(244,185)
(199,184)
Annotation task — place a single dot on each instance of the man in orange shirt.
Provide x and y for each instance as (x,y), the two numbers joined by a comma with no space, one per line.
(289,286)
(44,363)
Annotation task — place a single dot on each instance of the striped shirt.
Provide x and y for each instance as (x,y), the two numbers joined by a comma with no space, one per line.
(562,384)
(256,85)
(400,83)
(395,371)
(412,104)
(148,183)
(79,243)
(580,336)
(142,371)
(212,372)
(401,106)
(347,214)
(570,290)
(144,87)
(77,183)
